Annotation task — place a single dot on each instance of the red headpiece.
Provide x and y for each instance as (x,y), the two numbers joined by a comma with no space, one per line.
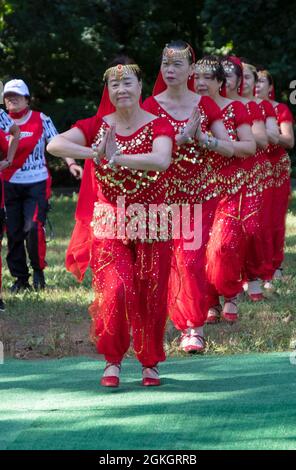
(228,63)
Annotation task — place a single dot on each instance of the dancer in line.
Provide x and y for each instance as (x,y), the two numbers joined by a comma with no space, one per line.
(281,166)
(192,180)
(226,250)
(130,149)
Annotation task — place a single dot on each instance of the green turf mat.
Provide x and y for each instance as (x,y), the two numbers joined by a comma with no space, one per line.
(232,402)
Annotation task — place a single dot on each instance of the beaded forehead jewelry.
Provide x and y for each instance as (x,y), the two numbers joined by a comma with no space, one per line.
(171,53)
(263,73)
(206,66)
(228,66)
(120,71)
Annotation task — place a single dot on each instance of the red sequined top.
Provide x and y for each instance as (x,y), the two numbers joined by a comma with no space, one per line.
(233,176)
(279,158)
(193,173)
(283,113)
(138,186)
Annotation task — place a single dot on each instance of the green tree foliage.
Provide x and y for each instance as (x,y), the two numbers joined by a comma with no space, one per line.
(262,31)
(62,47)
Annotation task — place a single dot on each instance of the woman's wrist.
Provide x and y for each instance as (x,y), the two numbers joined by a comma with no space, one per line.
(115,157)
(186,138)
(96,154)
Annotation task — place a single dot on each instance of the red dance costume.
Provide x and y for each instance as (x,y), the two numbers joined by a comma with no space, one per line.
(281,167)
(266,270)
(236,226)
(130,277)
(192,179)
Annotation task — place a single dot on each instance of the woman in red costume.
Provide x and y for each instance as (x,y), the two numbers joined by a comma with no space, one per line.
(243,213)
(192,180)
(259,178)
(226,249)
(132,148)
(280,162)
(266,270)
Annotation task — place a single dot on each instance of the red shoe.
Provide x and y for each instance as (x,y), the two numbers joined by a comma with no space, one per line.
(111,380)
(214,315)
(230,317)
(150,377)
(233,316)
(257,297)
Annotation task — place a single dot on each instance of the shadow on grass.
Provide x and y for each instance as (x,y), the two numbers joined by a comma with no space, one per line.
(233,402)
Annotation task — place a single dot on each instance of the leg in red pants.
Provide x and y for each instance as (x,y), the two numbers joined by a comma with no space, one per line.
(152,270)
(278,224)
(130,282)
(115,297)
(226,248)
(188,301)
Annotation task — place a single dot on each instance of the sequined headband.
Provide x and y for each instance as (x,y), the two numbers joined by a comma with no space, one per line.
(228,66)
(172,53)
(263,73)
(120,71)
(207,66)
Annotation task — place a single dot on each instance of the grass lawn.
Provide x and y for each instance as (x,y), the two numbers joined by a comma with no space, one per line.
(55,323)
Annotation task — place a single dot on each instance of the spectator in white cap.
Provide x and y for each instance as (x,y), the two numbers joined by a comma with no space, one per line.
(27,187)
(7,154)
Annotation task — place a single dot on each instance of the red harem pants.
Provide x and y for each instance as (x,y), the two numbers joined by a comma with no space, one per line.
(188,300)
(236,223)
(280,204)
(130,284)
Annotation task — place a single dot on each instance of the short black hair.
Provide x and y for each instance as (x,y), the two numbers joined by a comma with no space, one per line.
(218,71)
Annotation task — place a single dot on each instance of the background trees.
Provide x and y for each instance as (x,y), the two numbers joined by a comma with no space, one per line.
(61,47)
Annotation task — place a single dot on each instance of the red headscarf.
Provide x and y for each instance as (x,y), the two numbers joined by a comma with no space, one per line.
(236,61)
(160,84)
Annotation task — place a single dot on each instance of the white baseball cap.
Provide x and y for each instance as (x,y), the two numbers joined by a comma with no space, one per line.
(16,86)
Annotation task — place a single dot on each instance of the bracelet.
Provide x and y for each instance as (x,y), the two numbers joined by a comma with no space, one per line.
(71,164)
(112,163)
(213,142)
(95,157)
(205,145)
